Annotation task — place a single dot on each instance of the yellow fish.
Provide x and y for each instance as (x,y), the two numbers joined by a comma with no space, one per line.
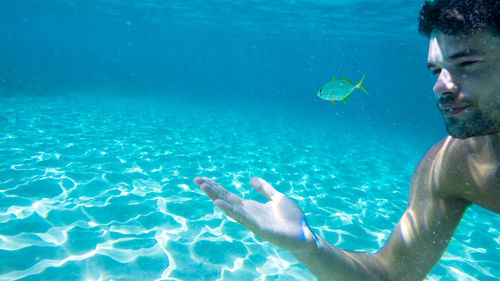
(339,89)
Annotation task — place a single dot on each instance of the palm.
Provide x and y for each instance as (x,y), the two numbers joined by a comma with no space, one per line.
(279,221)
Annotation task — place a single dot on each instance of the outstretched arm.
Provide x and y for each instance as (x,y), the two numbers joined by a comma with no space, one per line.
(281,222)
(415,246)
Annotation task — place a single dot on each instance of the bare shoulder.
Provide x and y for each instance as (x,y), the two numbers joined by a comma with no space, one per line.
(464,168)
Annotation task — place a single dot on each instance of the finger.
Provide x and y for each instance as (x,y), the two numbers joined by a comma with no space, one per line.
(230,210)
(216,191)
(236,213)
(200,180)
(264,188)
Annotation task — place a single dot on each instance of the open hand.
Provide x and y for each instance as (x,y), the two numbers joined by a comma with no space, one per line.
(279,221)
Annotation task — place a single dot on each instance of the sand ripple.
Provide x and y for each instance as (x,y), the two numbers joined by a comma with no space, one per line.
(101,189)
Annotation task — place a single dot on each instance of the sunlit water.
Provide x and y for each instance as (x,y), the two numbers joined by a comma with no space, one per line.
(101,189)
(109,109)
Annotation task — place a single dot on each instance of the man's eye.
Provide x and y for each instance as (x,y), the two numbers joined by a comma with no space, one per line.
(467,63)
(436,71)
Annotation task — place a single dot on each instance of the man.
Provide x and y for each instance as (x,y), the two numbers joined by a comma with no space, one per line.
(463,169)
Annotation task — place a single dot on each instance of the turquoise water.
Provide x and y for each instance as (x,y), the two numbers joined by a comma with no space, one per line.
(101,189)
(108,110)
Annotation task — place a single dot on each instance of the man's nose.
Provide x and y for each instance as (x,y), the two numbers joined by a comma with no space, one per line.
(445,84)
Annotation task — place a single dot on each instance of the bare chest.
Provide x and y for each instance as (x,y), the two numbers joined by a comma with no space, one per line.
(488,198)
(470,169)
(482,183)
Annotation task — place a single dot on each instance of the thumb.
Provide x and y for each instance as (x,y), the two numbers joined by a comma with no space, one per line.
(266,189)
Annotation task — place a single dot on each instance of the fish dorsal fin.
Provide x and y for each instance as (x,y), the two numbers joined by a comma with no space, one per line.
(347,80)
(333,79)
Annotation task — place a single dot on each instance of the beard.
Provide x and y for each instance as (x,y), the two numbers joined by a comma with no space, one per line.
(478,124)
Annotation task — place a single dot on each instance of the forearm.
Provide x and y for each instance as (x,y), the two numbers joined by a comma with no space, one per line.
(328,262)
(281,222)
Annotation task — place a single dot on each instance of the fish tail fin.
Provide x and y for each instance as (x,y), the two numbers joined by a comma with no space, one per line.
(359,84)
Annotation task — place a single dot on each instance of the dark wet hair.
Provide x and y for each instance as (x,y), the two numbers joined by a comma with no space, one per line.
(460,16)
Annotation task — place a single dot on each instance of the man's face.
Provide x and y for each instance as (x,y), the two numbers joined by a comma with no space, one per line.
(468,82)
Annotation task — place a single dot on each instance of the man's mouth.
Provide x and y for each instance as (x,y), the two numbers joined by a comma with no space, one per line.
(452,110)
